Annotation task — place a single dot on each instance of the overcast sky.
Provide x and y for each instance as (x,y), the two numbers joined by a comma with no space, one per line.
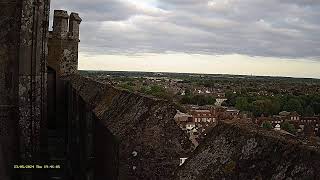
(260,37)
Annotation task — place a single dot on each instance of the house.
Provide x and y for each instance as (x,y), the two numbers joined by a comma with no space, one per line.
(182,119)
(278,127)
(219,101)
(294,116)
(190,126)
(232,112)
(220,95)
(309,126)
(202,116)
(284,113)
(305,126)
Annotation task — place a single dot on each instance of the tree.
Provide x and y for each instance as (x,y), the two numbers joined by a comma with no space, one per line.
(224,103)
(267,125)
(288,127)
(276,107)
(316,107)
(293,105)
(127,86)
(130,83)
(158,91)
(186,99)
(188,92)
(260,107)
(154,89)
(231,98)
(242,103)
(145,89)
(211,100)
(198,99)
(309,111)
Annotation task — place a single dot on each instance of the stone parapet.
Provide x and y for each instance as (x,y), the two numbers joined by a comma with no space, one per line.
(241,150)
(150,142)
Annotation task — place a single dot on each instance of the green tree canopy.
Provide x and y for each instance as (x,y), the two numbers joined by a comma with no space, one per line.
(309,111)
(293,105)
(198,99)
(288,127)
(242,103)
(267,125)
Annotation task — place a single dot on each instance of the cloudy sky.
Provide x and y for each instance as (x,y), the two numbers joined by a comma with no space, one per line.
(259,37)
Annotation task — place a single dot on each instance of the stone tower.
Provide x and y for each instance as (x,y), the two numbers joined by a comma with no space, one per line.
(23,57)
(63,43)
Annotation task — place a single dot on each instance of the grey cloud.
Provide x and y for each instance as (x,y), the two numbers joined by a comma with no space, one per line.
(99,10)
(274,28)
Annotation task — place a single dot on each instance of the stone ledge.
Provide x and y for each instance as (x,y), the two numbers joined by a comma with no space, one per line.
(241,150)
(142,124)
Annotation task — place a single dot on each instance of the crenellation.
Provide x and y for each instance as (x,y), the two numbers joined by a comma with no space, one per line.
(65,26)
(60,23)
(74,25)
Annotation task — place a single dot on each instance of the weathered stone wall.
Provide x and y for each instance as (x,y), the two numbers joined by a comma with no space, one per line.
(150,142)
(32,75)
(23,53)
(244,151)
(9,44)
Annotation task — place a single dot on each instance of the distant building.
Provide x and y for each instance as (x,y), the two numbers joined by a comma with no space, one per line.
(158,74)
(294,116)
(305,126)
(284,113)
(219,101)
(202,116)
(220,95)
(309,126)
(182,119)
(190,126)
(278,127)
(232,112)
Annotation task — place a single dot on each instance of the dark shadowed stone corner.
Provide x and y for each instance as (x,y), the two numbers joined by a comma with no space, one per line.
(241,150)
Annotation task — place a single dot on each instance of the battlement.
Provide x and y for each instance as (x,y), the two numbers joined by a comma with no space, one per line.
(74,23)
(63,43)
(65,26)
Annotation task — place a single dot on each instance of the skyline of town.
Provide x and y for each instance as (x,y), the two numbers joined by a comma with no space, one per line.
(306,69)
(287,104)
